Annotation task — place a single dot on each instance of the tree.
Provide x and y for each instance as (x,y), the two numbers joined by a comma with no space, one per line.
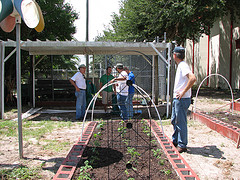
(181,19)
(59,25)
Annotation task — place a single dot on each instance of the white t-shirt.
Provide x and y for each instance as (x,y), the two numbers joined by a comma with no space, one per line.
(122,87)
(79,80)
(181,80)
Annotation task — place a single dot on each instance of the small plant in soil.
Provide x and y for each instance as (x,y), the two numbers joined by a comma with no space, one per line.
(158,154)
(84,172)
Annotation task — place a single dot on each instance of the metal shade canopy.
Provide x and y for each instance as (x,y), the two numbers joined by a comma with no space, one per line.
(90,48)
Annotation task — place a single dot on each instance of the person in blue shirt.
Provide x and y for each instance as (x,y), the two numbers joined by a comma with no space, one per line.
(131,91)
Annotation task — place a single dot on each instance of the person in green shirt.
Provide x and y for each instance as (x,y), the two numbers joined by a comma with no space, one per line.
(108,91)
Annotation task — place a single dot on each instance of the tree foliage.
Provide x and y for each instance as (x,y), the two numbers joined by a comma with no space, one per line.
(182,19)
(59,25)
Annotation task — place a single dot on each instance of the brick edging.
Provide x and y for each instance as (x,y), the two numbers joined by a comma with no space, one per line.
(236,106)
(229,131)
(69,165)
(179,164)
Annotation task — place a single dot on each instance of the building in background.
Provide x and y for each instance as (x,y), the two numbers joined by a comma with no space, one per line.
(217,53)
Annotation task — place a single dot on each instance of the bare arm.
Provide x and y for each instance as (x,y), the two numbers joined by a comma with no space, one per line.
(74,84)
(118,79)
(191,81)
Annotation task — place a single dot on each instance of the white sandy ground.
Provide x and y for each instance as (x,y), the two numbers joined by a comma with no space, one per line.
(211,155)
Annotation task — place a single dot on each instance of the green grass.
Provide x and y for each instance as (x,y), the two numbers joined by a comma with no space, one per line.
(8,128)
(20,173)
(165,123)
(35,129)
(55,145)
(31,129)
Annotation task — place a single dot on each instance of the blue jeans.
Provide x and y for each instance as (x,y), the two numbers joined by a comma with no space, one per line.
(80,103)
(129,105)
(179,121)
(122,106)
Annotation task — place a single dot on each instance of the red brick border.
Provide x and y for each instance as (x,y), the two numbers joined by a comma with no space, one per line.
(236,106)
(68,167)
(225,129)
(179,164)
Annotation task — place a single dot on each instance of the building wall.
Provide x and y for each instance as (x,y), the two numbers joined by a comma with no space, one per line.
(219,55)
(214,54)
(200,59)
(224,51)
(236,57)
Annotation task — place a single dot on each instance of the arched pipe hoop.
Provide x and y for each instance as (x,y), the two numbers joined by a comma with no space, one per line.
(195,102)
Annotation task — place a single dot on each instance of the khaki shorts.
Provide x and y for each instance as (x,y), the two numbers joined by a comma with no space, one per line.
(106,97)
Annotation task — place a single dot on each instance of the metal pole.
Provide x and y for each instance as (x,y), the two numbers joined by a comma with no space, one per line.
(87,20)
(93,70)
(153,77)
(87,36)
(52,87)
(33,81)
(156,79)
(168,79)
(19,94)
(2,79)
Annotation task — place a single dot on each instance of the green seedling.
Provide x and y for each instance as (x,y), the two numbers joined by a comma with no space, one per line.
(133,153)
(161,162)
(167,172)
(84,172)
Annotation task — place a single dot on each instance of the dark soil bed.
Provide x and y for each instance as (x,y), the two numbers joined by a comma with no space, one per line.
(227,117)
(125,150)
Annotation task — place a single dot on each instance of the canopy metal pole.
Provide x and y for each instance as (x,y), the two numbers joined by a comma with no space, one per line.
(2,79)
(168,78)
(33,81)
(153,77)
(19,94)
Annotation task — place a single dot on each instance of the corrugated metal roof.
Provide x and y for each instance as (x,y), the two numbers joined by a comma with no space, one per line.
(91,48)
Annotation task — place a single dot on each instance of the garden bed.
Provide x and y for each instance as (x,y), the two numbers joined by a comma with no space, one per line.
(224,123)
(120,150)
(232,119)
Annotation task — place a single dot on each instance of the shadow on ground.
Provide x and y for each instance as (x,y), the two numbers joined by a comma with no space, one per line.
(207,151)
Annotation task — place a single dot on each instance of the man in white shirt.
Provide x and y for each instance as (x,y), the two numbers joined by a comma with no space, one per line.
(79,82)
(184,80)
(122,90)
